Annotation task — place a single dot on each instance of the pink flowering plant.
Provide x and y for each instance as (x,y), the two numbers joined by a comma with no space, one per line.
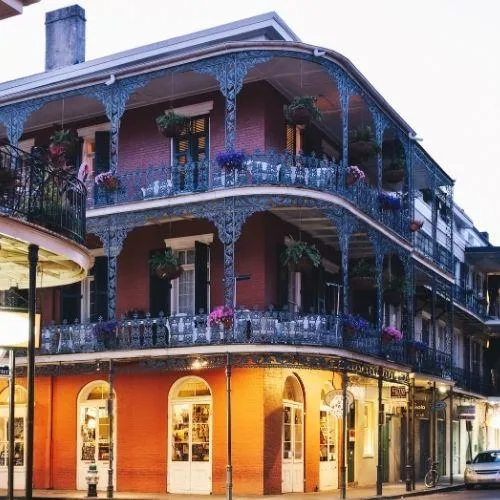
(391,334)
(221,315)
(354,175)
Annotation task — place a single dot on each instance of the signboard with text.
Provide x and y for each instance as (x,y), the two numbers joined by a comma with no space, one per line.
(421,410)
(466,412)
(398,392)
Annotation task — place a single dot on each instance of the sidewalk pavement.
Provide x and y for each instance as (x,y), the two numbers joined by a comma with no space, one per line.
(390,490)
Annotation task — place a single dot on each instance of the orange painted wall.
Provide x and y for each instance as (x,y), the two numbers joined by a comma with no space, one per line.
(142,428)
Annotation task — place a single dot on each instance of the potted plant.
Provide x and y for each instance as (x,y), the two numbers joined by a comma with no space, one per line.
(105,332)
(393,291)
(166,265)
(108,181)
(302,110)
(231,159)
(363,275)
(354,175)
(354,324)
(62,144)
(300,256)
(221,315)
(171,124)
(362,144)
(395,172)
(391,334)
(389,201)
(415,225)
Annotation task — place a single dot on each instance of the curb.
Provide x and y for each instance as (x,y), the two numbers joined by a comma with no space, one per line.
(427,491)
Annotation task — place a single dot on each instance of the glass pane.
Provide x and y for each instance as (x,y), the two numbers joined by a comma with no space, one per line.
(190,257)
(201,413)
(18,454)
(298,416)
(287,433)
(180,452)
(298,451)
(19,428)
(88,424)
(186,291)
(298,433)
(3,453)
(180,432)
(200,452)
(3,429)
(287,414)
(287,450)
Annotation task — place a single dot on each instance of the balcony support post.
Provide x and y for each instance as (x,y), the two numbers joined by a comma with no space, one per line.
(381,124)
(379,265)
(450,412)
(408,444)
(380,465)
(343,450)
(344,235)
(413,430)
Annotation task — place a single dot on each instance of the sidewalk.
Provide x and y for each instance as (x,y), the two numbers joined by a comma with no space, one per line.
(391,490)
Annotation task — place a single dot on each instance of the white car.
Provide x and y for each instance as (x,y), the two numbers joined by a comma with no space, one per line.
(484,469)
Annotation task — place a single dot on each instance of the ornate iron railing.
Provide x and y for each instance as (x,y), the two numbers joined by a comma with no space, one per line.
(474,382)
(250,327)
(33,190)
(425,245)
(430,361)
(469,299)
(260,169)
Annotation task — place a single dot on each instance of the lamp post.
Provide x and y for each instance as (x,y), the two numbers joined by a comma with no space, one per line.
(12,403)
(380,426)
(111,416)
(343,454)
(32,264)
(229,451)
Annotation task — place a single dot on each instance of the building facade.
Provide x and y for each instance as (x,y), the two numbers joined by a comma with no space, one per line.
(306,372)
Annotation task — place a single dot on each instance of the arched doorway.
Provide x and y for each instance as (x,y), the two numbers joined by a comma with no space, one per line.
(190,437)
(21,400)
(328,432)
(93,434)
(293,436)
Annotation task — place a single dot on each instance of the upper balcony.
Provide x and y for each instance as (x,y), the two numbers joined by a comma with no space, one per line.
(9,8)
(44,206)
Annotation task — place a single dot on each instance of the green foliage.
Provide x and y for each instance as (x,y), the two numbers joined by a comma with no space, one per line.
(306,102)
(163,259)
(64,137)
(362,134)
(363,269)
(298,250)
(171,120)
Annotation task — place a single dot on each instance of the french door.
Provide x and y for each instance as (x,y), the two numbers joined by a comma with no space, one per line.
(190,457)
(293,448)
(328,467)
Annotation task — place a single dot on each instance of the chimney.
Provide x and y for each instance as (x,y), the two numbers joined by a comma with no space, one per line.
(64,37)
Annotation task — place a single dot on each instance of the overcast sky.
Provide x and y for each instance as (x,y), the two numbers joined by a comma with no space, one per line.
(435,61)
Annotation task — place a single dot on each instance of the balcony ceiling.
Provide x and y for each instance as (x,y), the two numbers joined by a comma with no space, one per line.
(9,8)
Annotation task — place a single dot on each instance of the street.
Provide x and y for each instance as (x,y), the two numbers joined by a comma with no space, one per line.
(475,494)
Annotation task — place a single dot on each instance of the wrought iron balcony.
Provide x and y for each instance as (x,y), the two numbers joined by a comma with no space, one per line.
(425,245)
(474,382)
(469,299)
(250,327)
(430,361)
(33,190)
(260,169)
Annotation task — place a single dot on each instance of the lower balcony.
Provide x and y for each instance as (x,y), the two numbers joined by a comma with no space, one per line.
(474,382)
(249,328)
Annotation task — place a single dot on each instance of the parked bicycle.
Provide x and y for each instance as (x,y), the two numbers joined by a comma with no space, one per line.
(432,476)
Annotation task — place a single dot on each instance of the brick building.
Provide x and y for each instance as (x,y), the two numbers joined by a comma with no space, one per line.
(309,364)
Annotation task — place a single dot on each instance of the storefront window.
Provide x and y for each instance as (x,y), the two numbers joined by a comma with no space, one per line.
(19,425)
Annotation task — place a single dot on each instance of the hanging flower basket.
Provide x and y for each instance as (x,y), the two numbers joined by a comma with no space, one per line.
(62,145)
(394,176)
(166,265)
(362,144)
(362,276)
(391,334)
(231,159)
(171,124)
(299,256)
(302,110)
(416,225)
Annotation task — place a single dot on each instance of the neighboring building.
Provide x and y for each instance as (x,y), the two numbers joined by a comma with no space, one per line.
(293,345)
(9,8)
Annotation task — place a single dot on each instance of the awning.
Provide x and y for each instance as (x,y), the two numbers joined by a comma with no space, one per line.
(485,259)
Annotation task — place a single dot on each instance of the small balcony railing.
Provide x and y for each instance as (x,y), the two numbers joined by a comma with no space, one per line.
(474,382)
(424,244)
(250,327)
(468,298)
(260,169)
(33,190)
(430,361)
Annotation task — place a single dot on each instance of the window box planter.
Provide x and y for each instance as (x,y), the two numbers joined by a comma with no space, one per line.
(231,159)
(394,176)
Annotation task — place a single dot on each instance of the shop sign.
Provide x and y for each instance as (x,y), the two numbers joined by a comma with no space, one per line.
(439,405)
(398,392)
(420,409)
(466,412)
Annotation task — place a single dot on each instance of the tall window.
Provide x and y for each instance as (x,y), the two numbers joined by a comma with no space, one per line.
(184,289)
(192,143)
(426,330)
(294,138)
(368,428)
(20,399)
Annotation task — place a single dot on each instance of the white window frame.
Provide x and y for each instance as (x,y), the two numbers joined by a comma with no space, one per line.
(181,244)
(88,134)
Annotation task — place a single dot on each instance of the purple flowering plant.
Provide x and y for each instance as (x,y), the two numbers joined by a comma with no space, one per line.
(355,323)
(221,314)
(105,330)
(391,333)
(356,173)
(231,159)
(389,202)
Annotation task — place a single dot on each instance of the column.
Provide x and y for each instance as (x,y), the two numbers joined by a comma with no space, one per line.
(380,425)
(343,450)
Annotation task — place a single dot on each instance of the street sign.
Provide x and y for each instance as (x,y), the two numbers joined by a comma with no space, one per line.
(439,405)
(398,392)
(4,371)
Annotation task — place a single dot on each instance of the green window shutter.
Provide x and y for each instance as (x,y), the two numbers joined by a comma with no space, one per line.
(192,143)
(290,144)
(159,292)
(201,252)
(71,296)
(101,160)
(99,290)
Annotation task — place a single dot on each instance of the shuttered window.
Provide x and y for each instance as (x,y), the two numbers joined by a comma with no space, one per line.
(71,296)
(290,138)
(192,143)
